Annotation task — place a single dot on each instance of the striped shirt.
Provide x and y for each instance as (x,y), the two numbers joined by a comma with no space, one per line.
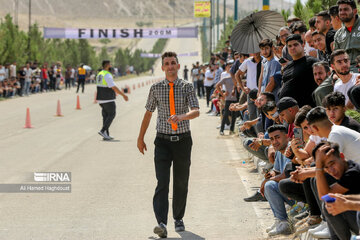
(185,98)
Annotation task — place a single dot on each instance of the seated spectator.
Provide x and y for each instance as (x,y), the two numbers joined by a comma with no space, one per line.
(335,109)
(330,159)
(347,139)
(354,96)
(299,27)
(322,78)
(339,60)
(279,140)
(298,79)
(270,111)
(287,108)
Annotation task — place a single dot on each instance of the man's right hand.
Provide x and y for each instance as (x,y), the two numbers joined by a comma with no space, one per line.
(141,145)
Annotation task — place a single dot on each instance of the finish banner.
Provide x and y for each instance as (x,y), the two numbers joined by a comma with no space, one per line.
(158,55)
(90,33)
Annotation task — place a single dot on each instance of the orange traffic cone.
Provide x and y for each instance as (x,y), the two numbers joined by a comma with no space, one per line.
(95,98)
(78,103)
(58,110)
(27,120)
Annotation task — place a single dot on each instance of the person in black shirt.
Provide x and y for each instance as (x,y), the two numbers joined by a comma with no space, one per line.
(21,77)
(186,73)
(347,174)
(335,109)
(298,80)
(323,25)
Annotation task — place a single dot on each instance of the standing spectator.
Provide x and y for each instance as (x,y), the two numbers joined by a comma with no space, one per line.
(250,67)
(68,77)
(229,97)
(335,20)
(320,46)
(2,73)
(347,36)
(340,62)
(45,77)
(323,25)
(300,28)
(81,78)
(322,78)
(52,77)
(72,77)
(298,80)
(283,34)
(269,68)
(58,76)
(21,77)
(186,73)
(209,83)
(12,70)
(28,75)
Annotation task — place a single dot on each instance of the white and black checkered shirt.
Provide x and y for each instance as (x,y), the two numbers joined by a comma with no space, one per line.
(185,98)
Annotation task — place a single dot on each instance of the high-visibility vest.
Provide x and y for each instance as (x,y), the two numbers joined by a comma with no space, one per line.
(103,91)
(82,71)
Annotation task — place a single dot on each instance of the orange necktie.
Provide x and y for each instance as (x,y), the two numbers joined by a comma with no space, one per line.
(172,105)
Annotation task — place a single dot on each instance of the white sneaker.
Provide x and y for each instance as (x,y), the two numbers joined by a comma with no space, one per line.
(212,114)
(319,228)
(218,127)
(283,228)
(104,135)
(273,226)
(325,233)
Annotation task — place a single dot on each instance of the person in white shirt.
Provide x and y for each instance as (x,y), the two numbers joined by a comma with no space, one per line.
(2,73)
(340,62)
(209,82)
(28,75)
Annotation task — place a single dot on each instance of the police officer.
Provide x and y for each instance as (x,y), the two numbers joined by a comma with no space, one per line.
(106,95)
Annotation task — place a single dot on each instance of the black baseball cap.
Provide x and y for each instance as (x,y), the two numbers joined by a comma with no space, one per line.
(285,103)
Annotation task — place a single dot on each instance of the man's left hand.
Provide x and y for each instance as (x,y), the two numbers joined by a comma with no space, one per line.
(338,206)
(175,118)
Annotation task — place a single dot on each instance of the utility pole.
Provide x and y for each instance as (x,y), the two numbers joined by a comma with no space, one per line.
(224,16)
(217,20)
(29,35)
(211,27)
(235,10)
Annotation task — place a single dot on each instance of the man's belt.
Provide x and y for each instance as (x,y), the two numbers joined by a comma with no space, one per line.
(173,138)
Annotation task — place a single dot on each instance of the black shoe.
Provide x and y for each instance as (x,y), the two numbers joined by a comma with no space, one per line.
(255,198)
(160,230)
(179,225)
(209,111)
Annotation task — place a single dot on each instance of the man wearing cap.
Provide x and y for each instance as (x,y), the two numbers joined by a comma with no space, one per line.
(287,108)
(226,81)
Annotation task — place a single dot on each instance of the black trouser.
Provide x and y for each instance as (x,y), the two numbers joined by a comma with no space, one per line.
(300,192)
(166,153)
(108,113)
(22,83)
(67,83)
(208,94)
(225,118)
(82,83)
(53,83)
(200,88)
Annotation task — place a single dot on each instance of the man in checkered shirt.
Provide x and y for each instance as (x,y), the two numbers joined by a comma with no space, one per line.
(173,140)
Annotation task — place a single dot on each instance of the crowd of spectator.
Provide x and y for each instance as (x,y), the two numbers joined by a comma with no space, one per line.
(291,99)
(36,78)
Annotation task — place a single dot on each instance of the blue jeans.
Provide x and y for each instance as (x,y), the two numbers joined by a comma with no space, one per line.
(277,200)
(26,89)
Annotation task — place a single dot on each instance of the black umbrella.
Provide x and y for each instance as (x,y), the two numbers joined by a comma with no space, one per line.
(248,33)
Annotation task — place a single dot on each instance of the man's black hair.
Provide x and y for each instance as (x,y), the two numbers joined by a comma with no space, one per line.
(253,93)
(334,11)
(277,127)
(312,22)
(266,42)
(316,114)
(298,26)
(295,37)
(334,99)
(269,96)
(322,63)
(325,15)
(301,115)
(169,54)
(336,53)
(104,63)
(351,3)
(269,106)
(332,145)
